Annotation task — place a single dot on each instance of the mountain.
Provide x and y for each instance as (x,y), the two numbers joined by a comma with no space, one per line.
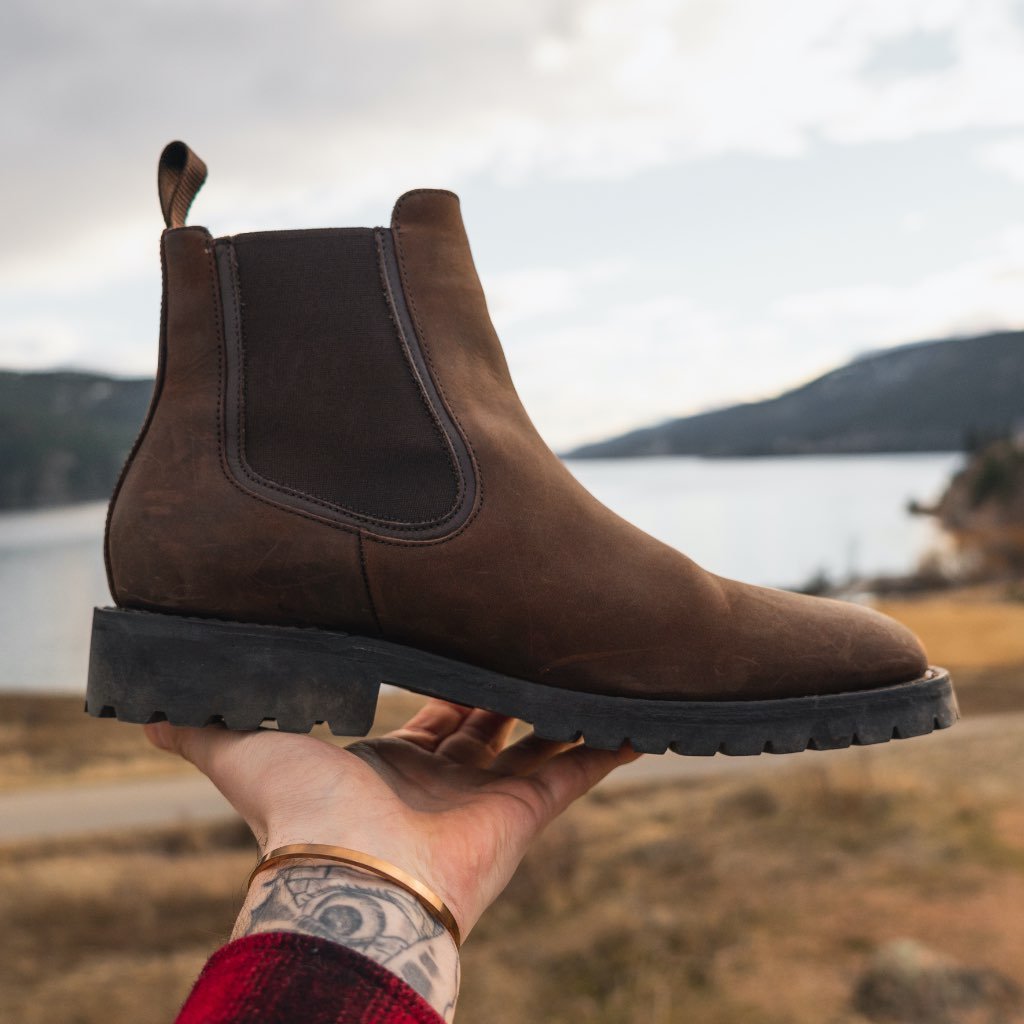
(64,436)
(929,396)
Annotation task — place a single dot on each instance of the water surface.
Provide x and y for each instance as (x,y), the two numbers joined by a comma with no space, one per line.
(773,521)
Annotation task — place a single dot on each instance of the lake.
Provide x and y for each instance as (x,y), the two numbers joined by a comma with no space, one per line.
(775,521)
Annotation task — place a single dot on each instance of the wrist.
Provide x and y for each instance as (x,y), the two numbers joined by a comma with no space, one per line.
(371,915)
(366,862)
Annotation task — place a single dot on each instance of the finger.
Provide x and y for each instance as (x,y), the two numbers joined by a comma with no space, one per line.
(569,775)
(435,721)
(478,739)
(526,755)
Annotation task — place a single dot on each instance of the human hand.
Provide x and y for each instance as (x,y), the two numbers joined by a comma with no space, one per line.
(442,797)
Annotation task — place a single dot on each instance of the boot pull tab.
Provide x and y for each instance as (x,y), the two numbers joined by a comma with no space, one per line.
(180,175)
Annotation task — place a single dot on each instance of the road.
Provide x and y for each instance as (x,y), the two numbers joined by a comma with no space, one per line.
(80,809)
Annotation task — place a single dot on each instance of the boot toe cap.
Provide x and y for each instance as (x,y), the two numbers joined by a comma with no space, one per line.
(882,652)
(796,646)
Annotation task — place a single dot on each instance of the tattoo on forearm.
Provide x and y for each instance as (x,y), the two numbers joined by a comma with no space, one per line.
(379,920)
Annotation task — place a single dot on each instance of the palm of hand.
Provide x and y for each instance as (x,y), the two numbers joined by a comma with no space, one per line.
(443,797)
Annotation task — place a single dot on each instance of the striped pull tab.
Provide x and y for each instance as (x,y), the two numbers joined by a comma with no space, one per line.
(180,175)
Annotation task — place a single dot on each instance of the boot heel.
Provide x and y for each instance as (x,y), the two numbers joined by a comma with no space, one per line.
(150,667)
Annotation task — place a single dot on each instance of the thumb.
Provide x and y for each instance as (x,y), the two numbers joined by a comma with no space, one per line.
(162,735)
(208,748)
(230,760)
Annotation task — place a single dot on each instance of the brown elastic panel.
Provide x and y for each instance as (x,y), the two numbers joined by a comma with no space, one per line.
(331,408)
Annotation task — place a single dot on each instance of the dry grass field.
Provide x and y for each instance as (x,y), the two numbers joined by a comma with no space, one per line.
(979,636)
(763,897)
(879,884)
(48,741)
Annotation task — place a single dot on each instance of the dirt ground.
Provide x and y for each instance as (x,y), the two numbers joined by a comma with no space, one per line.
(760,897)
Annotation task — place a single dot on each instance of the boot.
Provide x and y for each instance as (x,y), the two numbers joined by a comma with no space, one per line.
(336,486)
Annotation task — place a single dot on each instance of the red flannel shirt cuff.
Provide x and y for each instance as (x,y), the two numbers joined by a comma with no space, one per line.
(288,978)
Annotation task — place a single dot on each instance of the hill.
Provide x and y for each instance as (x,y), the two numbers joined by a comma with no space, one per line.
(65,435)
(929,396)
(983,510)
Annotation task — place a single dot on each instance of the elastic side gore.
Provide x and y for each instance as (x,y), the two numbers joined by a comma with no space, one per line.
(330,407)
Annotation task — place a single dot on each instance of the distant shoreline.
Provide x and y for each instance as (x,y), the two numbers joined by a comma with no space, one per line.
(64,436)
(765,456)
(7,514)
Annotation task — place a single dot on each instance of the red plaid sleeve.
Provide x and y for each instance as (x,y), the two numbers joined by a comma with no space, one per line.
(287,978)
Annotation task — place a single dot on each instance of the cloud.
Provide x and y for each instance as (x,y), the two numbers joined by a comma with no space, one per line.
(637,362)
(36,342)
(314,111)
(985,293)
(1005,155)
(322,112)
(542,293)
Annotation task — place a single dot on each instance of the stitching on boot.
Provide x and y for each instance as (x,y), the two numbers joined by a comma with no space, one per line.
(281,488)
(424,345)
(366,583)
(215,297)
(453,461)
(256,480)
(154,401)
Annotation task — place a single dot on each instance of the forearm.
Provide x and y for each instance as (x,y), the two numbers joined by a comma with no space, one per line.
(369,915)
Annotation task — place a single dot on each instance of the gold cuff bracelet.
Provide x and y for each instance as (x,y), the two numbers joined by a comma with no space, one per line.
(427,898)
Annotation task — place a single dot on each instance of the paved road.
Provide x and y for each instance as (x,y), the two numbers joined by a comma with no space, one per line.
(84,808)
(102,807)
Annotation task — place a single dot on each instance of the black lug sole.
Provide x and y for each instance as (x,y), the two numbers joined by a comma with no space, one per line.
(149,667)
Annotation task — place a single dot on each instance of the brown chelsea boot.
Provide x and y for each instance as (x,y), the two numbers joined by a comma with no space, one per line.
(337,486)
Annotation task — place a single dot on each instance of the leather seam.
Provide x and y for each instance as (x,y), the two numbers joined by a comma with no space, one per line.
(211,266)
(425,349)
(366,583)
(158,387)
(453,461)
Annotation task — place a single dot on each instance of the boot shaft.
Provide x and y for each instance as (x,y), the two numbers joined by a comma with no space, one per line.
(292,371)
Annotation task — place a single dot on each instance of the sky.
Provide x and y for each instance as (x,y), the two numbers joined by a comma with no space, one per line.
(672,205)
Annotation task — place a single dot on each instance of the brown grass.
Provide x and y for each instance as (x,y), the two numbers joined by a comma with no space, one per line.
(762,899)
(973,629)
(753,898)
(978,634)
(49,741)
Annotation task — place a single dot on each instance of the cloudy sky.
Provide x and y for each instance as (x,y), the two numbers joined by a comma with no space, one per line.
(673,204)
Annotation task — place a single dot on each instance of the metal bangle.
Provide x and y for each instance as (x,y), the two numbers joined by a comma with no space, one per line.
(427,898)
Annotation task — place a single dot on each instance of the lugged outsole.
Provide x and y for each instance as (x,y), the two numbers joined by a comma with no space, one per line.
(147,666)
